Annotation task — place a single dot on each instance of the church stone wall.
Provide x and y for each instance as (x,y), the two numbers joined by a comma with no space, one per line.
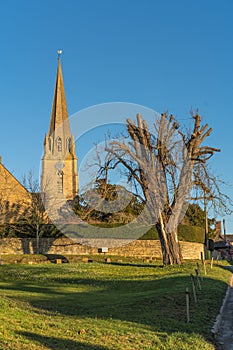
(14,198)
(65,246)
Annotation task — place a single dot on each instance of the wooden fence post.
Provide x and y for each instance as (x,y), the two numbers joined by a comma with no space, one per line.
(199,272)
(187,304)
(202,257)
(212,261)
(198,280)
(194,288)
(204,265)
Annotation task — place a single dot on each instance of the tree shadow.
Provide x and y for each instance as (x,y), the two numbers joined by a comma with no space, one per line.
(54,257)
(25,243)
(229,268)
(60,343)
(151,303)
(143,265)
(29,245)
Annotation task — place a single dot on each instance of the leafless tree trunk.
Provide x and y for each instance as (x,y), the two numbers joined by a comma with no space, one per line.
(164,163)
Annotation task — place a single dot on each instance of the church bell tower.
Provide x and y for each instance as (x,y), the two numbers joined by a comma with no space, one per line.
(59,177)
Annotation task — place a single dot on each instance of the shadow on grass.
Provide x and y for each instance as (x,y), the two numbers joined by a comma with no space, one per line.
(158,303)
(229,268)
(143,265)
(54,257)
(59,343)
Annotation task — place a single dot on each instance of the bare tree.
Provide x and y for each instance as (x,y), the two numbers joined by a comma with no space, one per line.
(35,218)
(165,164)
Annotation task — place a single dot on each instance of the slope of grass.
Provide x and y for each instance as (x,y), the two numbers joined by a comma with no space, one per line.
(101,306)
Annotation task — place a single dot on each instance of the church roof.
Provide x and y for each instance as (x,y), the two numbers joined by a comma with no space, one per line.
(14,197)
(9,184)
(59,116)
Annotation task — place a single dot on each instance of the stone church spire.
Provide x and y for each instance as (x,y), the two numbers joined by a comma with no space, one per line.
(59,162)
(59,115)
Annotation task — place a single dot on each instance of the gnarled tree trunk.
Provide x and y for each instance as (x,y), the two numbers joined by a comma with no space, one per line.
(171,252)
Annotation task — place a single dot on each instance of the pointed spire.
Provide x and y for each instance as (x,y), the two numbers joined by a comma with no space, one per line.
(59,162)
(59,115)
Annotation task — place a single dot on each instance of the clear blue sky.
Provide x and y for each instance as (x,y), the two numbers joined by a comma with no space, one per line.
(170,55)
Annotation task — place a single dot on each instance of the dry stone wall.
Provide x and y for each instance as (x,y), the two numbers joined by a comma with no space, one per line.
(66,246)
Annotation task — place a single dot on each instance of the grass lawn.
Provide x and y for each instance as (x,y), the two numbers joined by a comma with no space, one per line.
(102,306)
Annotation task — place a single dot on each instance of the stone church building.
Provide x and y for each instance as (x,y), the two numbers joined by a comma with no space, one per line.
(14,197)
(59,163)
(59,177)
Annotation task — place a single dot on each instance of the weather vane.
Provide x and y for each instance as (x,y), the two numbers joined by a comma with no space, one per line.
(59,52)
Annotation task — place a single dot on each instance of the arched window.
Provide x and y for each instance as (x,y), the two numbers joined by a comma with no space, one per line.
(59,144)
(60,181)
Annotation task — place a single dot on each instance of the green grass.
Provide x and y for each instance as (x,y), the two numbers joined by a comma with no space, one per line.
(97,306)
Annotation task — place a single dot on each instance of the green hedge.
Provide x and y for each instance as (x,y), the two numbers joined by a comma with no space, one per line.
(191,233)
(185,233)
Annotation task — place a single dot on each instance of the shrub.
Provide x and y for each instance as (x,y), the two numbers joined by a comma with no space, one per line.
(185,233)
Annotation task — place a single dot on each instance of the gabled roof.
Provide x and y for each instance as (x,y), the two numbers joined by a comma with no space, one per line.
(14,197)
(8,179)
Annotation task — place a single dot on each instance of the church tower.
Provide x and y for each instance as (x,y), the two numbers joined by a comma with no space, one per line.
(59,178)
